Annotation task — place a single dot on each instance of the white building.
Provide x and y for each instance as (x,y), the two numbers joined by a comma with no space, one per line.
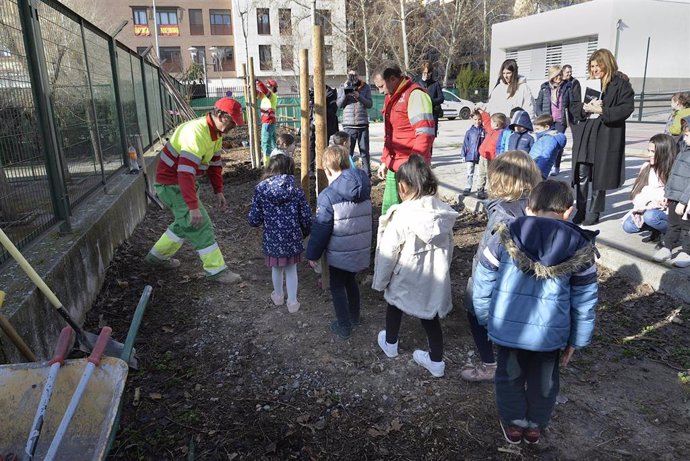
(273,32)
(569,35)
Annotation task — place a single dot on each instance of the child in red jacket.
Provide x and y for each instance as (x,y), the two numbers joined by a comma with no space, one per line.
(494,126)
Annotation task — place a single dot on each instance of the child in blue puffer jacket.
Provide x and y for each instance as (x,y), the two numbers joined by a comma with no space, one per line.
(470,148)
(536,289)
(522,137)
(281,207)
(342,229)
(549,143)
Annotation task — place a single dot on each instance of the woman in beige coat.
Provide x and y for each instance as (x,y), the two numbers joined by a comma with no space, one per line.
(412,262)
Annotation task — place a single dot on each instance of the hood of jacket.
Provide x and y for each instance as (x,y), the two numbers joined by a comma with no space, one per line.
(279,189)
(352,185)
(428,217)
(558,137)
(509,209)
(547,247)
(521,118)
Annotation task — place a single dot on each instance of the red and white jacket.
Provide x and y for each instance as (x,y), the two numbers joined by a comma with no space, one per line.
(409,125)
(193,149)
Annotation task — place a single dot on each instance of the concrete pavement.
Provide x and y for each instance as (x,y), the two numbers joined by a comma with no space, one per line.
(623,253)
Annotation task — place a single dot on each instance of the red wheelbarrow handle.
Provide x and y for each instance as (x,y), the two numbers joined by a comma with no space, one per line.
(55,364)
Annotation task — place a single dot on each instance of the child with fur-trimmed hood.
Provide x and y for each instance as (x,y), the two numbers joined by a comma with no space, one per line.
(535,288)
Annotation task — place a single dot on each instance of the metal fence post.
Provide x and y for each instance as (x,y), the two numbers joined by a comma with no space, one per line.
(146,100)
(160,92)
(118,99)
(97,143)
(40,87)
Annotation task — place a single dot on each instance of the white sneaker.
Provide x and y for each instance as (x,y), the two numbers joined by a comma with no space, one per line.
(663,254)
(391,350)
(682,259)
(437,369)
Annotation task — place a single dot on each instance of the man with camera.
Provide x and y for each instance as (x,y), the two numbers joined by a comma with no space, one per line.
(354,97)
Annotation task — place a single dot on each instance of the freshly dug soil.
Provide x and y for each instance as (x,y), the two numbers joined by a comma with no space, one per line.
(224,374)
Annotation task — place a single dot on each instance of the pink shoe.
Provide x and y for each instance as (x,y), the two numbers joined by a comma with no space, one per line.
(293,307)
(278,300)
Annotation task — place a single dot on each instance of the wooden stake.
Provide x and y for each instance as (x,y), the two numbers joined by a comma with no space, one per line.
(320,125)
(252,96)
(248,115)
(304,123)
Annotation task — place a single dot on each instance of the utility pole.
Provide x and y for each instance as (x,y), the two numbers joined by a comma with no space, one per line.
(404,35)
(155,30)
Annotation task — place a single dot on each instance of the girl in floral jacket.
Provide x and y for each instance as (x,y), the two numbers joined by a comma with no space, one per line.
(280,205)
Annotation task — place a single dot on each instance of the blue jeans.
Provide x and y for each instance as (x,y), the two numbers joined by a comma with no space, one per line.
(345,293)
(527,385)
(268,138)
(470,174)
(560,127)
(653,220)
(360,136)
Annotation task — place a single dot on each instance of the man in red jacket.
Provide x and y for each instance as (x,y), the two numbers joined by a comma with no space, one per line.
(408,125)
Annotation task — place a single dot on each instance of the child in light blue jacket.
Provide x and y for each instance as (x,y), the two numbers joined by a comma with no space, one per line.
(549,143)
(535,288)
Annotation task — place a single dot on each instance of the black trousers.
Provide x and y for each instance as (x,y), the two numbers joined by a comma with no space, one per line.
(677,231)
(432,328)
(582,177)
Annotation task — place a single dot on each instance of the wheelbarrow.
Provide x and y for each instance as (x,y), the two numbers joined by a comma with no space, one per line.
(94,425)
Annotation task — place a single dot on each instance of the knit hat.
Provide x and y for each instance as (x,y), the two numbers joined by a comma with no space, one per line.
(273,83)
(232,108)
(554,71)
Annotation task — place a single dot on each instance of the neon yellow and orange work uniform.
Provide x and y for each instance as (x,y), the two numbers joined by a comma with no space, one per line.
(194,149)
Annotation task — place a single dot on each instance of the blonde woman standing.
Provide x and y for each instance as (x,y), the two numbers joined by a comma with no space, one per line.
(599,136)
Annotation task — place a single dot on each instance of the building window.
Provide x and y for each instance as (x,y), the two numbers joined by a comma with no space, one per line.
(265,61)
(140,18)
(171,58)
(196,22)
(323,19)
(285,21)
(286,57)
(167,22)
(224,59)
(263,21)
(328,57)
(220,22)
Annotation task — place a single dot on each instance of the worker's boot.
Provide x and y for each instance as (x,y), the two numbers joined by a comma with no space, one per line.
(170,263)
(227,277)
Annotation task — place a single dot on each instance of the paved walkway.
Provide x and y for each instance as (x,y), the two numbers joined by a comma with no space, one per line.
(621,252)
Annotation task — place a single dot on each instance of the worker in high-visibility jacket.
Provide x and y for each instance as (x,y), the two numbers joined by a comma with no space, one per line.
(194,149)
(409,126)
(268,93)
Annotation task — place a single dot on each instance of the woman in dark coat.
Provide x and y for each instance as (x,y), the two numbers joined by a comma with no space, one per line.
(599,137)
(433,88)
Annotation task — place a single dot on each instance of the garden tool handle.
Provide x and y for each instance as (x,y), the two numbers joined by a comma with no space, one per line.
(24,264)
(61,347)
(47,292)
(97,352)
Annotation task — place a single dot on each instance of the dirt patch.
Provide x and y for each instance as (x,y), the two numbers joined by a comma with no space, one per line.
(224,374)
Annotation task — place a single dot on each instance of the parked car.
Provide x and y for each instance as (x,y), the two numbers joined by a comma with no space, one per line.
(454,107)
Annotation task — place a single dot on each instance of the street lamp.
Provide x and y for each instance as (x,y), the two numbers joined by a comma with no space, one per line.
(216,57)
(194,52)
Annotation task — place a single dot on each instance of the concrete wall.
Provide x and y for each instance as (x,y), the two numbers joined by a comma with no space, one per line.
(72,264)
(665,21)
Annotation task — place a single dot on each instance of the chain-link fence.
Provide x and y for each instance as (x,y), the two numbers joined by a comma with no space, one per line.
(71,100)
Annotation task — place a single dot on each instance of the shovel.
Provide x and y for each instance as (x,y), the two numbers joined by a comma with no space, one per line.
(86,339)
(93,361)
(55,364)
